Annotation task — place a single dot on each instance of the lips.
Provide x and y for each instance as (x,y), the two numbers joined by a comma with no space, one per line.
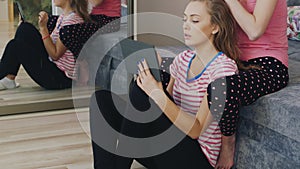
(187,36)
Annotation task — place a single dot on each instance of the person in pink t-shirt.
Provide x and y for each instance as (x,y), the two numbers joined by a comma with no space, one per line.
(106,11)
(263,44)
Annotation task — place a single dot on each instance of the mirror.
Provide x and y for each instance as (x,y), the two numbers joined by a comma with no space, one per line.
(30,97)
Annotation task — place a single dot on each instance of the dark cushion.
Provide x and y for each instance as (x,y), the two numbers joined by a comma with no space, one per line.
(294,50)
(293,2)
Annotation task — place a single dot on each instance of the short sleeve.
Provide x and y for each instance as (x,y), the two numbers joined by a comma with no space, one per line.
(72,19)
(174,67)
(226,67)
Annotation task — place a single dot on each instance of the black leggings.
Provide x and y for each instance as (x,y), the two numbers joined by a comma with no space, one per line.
(27,49)
(186,154)
(241,89)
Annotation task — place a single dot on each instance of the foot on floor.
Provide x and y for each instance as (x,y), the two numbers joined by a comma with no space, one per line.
(7,83)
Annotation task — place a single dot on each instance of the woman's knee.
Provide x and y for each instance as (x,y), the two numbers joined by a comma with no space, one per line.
(13,47)
(12,44)
(26,32)
(224,103)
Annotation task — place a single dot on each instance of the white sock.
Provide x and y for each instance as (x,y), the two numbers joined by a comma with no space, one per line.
(8,83)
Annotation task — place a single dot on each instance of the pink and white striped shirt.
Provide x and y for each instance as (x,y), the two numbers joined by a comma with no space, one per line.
(67,61)
(188,94)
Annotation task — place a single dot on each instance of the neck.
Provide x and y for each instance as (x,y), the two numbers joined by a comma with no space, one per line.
(206,53)
(67,10)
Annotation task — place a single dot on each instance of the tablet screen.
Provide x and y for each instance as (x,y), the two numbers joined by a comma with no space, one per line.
(20,11)
(135,51)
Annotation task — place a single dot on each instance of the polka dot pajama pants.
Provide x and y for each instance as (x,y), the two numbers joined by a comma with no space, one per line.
(75,36)
(226,95)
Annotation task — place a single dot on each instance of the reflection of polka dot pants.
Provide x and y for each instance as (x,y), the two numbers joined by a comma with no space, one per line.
(244,88)
(75,36)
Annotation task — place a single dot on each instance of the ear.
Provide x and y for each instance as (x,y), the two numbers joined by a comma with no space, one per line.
(215,29)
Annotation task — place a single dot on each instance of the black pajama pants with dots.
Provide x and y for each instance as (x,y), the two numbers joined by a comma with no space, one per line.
(246,87)
(226,95)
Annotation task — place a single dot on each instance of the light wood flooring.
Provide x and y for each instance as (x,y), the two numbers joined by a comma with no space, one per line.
(47,140)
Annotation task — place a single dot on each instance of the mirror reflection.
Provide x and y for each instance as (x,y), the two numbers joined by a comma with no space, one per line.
(30,94)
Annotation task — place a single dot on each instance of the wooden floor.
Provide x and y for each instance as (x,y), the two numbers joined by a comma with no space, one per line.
(53,140)
(48,140)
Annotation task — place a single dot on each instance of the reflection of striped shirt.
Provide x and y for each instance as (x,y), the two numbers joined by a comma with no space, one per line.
(188,94)
(66,63)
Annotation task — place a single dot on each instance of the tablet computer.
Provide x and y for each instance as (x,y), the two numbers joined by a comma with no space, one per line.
(20,10)
(134,51)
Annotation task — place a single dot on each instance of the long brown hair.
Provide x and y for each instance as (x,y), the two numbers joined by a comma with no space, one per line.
(81,8)
(225,39)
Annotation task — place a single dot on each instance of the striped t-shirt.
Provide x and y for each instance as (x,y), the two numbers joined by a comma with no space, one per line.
(188,94)
(67,61)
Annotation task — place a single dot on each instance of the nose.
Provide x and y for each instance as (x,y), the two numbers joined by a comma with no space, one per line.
(185,26)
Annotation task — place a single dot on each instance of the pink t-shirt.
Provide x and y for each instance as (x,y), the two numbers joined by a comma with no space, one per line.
(273,42)
(189,93)
(110,8)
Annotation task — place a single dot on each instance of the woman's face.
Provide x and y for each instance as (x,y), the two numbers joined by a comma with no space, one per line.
(197,27)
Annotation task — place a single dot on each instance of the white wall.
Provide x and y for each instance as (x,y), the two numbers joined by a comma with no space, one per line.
(56,10)
(174,7)
(173,26)
(4,10)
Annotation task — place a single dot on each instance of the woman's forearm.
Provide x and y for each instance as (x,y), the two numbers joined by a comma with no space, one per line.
(187,123)
(55,51)
(96,2)
(47,42)
(254,25)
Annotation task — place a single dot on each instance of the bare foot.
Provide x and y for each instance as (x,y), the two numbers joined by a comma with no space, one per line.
(226,157)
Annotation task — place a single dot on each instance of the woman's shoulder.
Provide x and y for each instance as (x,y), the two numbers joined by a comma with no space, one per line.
(223,66)
(184,56)
(224,61)
(187,54)
(73,18)
(222,57)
